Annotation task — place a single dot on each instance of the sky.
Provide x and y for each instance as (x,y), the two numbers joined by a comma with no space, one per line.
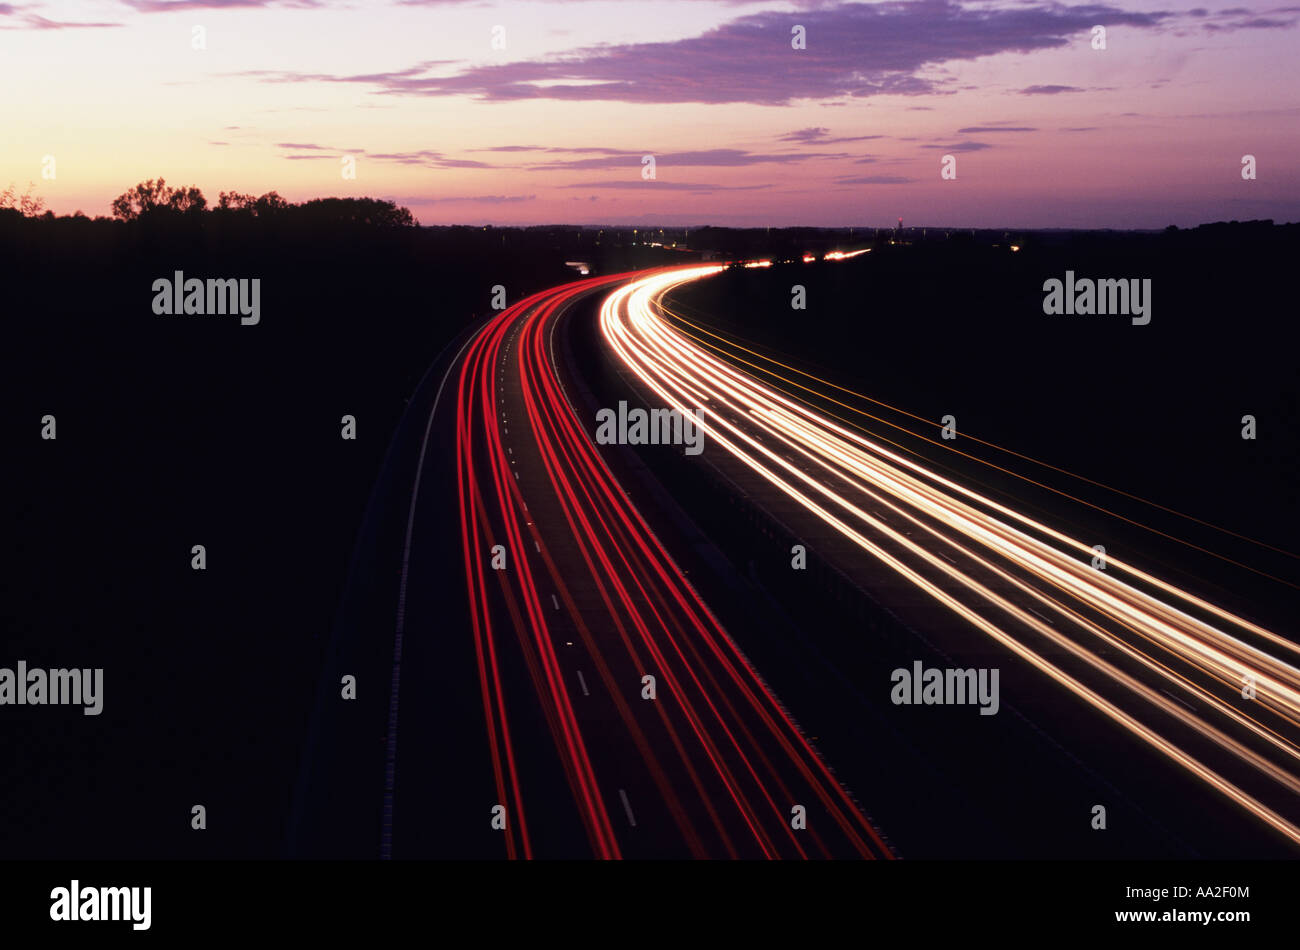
(544,111)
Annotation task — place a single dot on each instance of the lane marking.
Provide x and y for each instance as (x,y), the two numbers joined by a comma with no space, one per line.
(583,683)
(627,807)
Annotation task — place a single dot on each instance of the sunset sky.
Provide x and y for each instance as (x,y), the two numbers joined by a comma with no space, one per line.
(745,130)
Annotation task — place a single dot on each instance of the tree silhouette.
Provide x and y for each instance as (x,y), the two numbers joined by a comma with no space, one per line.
(234,202)
(374,212)
(26,204)
(153,196)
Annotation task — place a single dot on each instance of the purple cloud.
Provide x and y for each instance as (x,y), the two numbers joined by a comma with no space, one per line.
(875,180)
(822,136)
(424,157)
(34,21)
(1254,23)
(962,146)
(1240,18)
(663,185)
(714,157)
(1048,90)
(854,49)
(977,129)
(163,6)
(513,148)
(480,199)
(308,147)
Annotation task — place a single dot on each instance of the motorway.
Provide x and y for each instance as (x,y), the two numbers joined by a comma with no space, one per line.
(668,741)
(560,685)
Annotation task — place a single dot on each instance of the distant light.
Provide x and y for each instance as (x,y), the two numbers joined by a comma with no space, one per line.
(758,264)
(1015,247)
(809,258)
(843,255)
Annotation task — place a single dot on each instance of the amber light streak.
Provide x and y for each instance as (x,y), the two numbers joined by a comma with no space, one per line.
(1016,579)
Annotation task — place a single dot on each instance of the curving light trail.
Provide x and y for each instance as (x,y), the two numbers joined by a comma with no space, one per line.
(1026,585)
(724,757)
